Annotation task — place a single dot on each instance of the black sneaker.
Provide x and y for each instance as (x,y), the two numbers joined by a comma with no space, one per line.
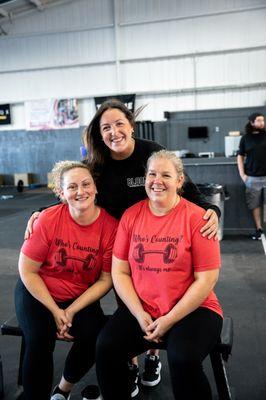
(59,395)
(134,379)
(257,234)
(152,367)
(91,392)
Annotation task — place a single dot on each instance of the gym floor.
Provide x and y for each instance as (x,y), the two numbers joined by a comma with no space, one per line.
(241,291)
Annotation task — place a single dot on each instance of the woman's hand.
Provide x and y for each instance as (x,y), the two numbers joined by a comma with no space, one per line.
(210,229)
(29,227)
(144,320)
(158,328)
(63,324)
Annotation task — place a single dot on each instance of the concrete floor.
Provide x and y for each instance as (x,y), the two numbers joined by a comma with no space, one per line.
(241,290)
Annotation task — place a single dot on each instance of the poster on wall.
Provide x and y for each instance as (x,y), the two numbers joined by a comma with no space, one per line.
(127,99)
(5,118)
(51,114)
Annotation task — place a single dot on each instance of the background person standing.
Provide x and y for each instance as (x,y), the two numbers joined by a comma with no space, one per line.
(251,162)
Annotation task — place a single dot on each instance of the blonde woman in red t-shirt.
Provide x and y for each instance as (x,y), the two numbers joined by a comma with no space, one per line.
(65,268)
(165,272)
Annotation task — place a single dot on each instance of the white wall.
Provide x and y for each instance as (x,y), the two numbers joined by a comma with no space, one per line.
(174,54)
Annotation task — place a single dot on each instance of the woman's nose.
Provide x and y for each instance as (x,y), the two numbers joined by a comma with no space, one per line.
(80,189)
(157,179)
(113,130)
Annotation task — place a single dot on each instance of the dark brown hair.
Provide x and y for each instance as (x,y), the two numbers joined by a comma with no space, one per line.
(97,151)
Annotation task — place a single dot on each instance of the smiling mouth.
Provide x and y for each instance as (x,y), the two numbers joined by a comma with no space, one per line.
(158,190)
(82,198)
(117,140)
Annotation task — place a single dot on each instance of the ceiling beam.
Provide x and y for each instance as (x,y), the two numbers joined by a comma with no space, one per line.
(37,4)
(4,13)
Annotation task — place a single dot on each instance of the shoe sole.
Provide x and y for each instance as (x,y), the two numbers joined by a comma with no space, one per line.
(135,393)
(153,383)
(86,398)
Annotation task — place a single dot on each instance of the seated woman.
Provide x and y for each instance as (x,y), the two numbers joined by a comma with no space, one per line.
(65,268)
(165,272)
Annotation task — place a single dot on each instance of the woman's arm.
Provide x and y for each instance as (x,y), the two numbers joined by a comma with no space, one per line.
(213,213)
(33,217)
(124,287)
(194,296)
(29,273)
(92,294)
(193,194)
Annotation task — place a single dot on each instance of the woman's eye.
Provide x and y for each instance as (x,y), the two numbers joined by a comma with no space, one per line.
(106,128)
(71,187)
(87,184)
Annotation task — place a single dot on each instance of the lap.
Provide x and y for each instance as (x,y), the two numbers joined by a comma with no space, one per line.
(198,330)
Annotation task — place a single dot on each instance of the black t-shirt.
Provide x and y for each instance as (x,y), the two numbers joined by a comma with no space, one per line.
(253,146)
(121,182)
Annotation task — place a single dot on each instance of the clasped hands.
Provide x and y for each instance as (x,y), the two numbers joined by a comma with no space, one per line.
(63,320)
(154,330)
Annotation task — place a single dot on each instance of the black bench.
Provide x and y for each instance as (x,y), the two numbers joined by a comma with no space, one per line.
(218,356)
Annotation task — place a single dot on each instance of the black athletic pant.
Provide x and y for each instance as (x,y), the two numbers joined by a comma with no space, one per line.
(39,330)
(187,344)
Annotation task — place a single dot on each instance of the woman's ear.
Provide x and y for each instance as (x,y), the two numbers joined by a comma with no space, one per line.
(60,194)
(180,181)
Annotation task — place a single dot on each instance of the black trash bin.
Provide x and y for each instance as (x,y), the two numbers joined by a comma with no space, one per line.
(215,194)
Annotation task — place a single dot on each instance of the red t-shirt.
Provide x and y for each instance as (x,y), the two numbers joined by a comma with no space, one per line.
(72,255)
(163,252)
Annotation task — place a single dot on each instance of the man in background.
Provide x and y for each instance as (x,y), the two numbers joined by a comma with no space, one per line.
(251,162)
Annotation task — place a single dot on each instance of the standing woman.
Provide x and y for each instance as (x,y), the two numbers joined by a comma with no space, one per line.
(164,271)
(119,160)
(64,271)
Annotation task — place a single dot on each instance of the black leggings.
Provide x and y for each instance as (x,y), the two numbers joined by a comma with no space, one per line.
(39,330)
(187,344)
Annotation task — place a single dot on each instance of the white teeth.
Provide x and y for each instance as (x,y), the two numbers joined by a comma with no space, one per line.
(116,140)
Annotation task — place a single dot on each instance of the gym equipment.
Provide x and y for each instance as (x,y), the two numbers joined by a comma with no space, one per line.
(20,186)
(62,257)
(169,253)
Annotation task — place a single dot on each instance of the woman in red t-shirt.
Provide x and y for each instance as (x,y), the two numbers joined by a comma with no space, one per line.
(65,268)
(164,271)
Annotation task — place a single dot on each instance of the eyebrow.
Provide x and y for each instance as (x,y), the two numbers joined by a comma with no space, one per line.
(163,172)
(108,123)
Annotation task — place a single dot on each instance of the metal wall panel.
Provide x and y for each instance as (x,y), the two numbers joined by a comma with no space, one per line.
(75,15)
(57,50)
(157,75)
(169,52)
(58,83)
(184,37)
(139,10)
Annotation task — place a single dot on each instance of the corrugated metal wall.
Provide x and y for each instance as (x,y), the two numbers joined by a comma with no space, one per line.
(176,55)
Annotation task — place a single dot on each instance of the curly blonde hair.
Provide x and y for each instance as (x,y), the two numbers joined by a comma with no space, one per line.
(58,171)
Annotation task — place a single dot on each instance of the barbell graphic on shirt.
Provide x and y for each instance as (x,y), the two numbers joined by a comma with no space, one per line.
(62,257)
(169,253)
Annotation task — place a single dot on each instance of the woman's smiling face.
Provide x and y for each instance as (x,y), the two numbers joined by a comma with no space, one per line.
(162,182)
(116,132)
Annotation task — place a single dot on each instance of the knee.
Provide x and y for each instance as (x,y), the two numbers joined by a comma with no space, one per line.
(185,357)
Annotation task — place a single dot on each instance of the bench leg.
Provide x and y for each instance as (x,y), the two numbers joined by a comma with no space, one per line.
(21,358)
(219,371)
(1,380)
